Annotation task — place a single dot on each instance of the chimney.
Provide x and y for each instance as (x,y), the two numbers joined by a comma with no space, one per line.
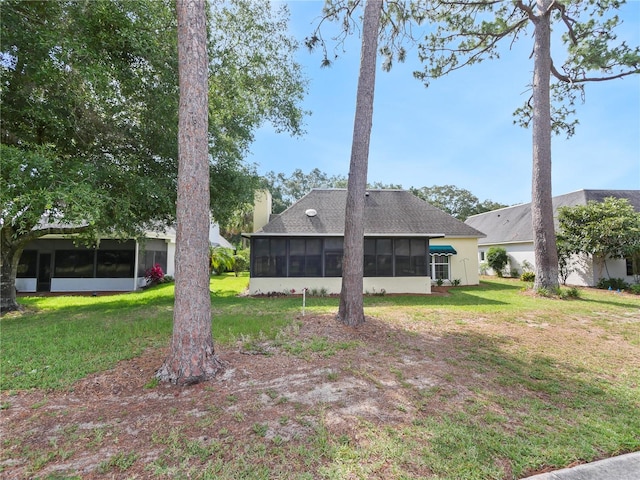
(261,209)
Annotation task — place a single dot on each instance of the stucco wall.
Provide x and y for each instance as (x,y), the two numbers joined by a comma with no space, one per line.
(26,284)
(464,265)
(92,284)
(584,272)
(333,285)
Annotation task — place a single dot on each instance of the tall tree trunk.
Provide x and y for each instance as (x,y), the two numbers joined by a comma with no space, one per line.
(544,237)
(351,310)
(9,259)
(192,358)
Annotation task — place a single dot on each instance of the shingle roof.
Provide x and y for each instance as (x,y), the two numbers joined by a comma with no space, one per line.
(387,212)
(513,224)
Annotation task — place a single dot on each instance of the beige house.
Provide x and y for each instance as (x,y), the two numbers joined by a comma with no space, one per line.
(511,228)
(409,245)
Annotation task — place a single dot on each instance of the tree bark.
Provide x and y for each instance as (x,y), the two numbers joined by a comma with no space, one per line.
(9,258)
(192,358)
(351,310)
(544,237)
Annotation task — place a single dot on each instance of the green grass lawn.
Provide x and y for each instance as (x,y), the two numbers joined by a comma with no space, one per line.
(536,392)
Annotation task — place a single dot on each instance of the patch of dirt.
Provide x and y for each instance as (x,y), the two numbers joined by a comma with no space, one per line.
(382,373)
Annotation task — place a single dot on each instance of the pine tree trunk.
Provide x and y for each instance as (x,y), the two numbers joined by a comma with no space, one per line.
(192,358)
(351,310)
(9,259)
(544,237)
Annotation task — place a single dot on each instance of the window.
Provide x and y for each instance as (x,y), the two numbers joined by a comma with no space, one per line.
(115,263)
(629,264)
(74,263)
(482,256)
(27,267)
(333,252)
(270,257)
(440,267)
(378,257)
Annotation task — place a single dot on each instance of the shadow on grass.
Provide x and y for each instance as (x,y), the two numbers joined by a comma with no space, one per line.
(493,413)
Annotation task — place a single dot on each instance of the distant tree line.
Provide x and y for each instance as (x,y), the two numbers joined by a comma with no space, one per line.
(458,202)
(288,189)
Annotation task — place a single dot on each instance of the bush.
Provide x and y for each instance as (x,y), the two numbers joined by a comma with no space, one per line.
(154,275)
(612,283)
(572,292)
(528,276)
(497,259)
(241,261)
(635,288)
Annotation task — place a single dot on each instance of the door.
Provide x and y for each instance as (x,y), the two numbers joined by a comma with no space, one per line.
(44,272)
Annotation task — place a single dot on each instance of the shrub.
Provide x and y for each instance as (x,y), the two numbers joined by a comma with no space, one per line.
(572,292)
(612,283)
(497,259)
(241,261)
(635,288)
(528,276)
(221,259)
(154,275)
(484,267)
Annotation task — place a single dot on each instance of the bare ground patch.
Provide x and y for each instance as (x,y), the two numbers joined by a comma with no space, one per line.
(325,376)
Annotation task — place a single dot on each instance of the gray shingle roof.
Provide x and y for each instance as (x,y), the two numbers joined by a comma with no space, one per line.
(387,212)
(513,224)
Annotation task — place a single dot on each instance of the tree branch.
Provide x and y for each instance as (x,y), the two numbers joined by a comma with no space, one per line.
(40,232)
(568,79)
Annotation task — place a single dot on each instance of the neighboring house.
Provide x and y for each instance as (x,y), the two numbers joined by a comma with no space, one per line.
(511,229)
(54,263)
(408,245)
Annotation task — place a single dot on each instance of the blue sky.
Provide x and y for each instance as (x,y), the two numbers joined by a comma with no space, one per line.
(459,130)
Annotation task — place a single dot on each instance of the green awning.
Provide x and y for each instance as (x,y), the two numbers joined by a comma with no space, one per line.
(442,250)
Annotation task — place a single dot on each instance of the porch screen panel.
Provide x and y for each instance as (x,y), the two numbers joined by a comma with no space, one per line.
(115,263)
(378,257)
(369,257)
(269,257)
(333,252)
(305,257)
(27,266)
(313,260)
(403,257)
(419,256)
(296,257)
(384,257)
(149,258)
(74,263)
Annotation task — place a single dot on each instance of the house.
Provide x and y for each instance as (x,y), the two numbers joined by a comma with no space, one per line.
(55,263)
(408,245)
(511,229)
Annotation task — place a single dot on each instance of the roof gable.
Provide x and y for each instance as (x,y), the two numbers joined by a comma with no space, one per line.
(387,212)
(513,224)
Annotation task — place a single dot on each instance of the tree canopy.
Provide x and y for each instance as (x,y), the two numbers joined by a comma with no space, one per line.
(610,228)
(89,95)
(467,32)
(456,201)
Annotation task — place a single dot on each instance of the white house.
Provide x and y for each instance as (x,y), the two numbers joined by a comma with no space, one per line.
(408,245)
(511,229)
(54,263)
